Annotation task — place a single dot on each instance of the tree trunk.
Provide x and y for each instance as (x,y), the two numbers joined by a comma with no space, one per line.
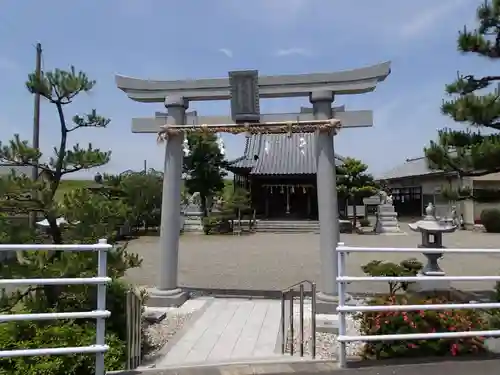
(54,230)
(354,213)
(52,291)
(203,204)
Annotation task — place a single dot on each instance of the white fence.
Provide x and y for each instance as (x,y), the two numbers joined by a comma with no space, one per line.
(343,309)
(100,314)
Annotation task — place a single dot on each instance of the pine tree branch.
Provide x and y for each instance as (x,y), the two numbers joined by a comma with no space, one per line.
(16,163)
(62,148)
(19,297)
(81,167)
(74,128)
(11,202)
(19,153)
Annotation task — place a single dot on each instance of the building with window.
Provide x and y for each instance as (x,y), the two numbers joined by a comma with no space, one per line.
(414,185)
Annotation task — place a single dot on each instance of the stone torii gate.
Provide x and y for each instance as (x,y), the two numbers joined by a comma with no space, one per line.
(245,89)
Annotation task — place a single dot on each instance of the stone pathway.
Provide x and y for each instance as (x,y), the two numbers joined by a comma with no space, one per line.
(229,330)
(455,367)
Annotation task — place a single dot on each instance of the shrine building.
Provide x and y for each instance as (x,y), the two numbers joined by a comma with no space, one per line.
(279,171)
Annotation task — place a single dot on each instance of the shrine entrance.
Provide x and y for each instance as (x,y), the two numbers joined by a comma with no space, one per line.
(245,89)
(408,201)
(288,202)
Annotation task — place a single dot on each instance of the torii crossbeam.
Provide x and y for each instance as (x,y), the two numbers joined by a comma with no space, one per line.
(245,89)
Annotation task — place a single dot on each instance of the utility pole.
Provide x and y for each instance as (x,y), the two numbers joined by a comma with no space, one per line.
(36,123)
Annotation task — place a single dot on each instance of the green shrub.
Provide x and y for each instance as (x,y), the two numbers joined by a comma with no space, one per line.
(364,222)
(216,224)
(493,315)
(36,335)
(490,218)
(398,322)
(408,267)
(71,298)
(84,298)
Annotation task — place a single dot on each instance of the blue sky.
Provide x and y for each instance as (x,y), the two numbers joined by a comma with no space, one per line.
(167,39)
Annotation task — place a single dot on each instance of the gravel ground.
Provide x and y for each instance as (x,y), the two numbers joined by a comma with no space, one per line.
(327,345)
(161,333)
(273,262)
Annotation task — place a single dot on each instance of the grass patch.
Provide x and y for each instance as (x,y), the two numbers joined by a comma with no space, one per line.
(68,185)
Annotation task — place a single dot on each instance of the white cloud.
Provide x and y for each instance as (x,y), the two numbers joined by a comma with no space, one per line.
(293,51)
(226,51)
(423,22)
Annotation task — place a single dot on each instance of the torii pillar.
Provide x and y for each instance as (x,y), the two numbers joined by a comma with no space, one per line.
(327,200)
(245,95)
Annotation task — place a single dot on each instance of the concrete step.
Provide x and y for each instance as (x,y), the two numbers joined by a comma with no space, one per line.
(285,222)
(283,226)
(286,365)
(286,230)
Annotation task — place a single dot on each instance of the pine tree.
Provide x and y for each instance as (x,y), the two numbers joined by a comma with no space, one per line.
(354,183)
(204,167)
(472,152)
(19,193)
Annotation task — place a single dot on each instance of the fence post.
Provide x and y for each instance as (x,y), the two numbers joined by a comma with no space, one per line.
(133,317)
(313,321)
(342,321)
(283,325)
(301,321)
(291,321)
(101,306)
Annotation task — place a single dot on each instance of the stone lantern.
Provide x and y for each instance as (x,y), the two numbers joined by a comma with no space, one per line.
(432,231)
(98,178)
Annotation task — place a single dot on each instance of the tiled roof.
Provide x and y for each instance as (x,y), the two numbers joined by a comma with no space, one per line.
(280,154)
(412,167)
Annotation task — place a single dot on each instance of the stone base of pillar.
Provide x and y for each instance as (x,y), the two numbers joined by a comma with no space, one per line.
(166,298)
(423,285)
(326,303)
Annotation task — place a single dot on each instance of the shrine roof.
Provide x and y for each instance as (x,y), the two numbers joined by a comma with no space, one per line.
(279,154)
(411,168)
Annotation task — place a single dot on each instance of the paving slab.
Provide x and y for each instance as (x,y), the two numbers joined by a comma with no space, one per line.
(455,367)
(229,330)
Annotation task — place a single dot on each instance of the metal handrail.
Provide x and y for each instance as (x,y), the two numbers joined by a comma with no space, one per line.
(100,314)
(342,279)
(290,328)
(298,284)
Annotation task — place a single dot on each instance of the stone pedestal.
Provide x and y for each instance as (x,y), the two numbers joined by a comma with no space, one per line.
(429,286)
(192,217)
(387,220)
(432,238)
(326,303)
(166,298)
(193,222)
